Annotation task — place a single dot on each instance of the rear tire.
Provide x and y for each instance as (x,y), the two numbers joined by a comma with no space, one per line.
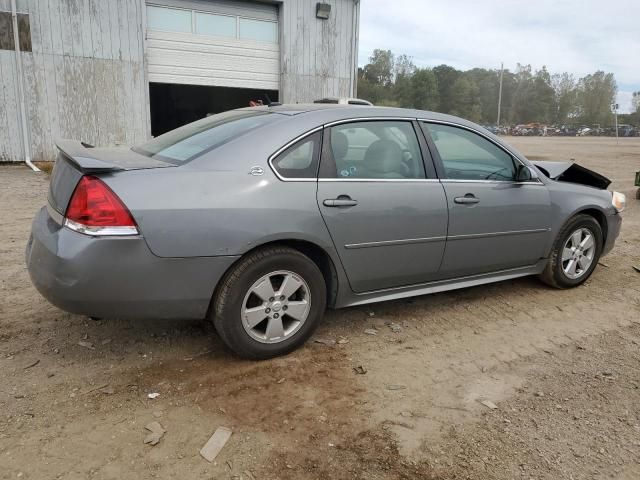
(575,253)
(270,303)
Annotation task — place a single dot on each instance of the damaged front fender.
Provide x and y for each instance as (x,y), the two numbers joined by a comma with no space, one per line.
(573,173)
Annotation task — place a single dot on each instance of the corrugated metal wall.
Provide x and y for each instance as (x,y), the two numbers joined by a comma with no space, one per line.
(318,58)
(85,78)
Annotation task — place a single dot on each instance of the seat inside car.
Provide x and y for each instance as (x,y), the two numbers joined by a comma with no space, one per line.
(383,159)
(339,145)
(339,148)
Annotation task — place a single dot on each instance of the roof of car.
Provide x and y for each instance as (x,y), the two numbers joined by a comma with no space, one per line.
(313,114)
(340,111)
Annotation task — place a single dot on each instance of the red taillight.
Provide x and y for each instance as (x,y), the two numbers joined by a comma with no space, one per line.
(95,209)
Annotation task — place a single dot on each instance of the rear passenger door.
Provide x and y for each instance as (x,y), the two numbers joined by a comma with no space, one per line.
(386,212)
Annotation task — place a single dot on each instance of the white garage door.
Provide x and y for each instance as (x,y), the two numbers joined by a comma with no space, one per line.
(217,43)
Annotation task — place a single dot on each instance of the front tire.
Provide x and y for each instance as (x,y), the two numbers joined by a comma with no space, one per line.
(575,253)
(270,303)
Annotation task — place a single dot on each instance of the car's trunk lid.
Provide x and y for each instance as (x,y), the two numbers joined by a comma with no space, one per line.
(77,159)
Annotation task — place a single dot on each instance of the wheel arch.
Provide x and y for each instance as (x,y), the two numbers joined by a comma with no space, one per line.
(549,274)
(316,253)
(599,216)
(564,217)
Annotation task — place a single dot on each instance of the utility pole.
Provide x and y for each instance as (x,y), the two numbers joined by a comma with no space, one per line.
(615,111)
(500,92)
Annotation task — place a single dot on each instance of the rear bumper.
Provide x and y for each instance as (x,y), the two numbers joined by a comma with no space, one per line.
(614,222)
(119,277)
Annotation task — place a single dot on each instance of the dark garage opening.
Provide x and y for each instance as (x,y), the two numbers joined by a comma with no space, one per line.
(175,105)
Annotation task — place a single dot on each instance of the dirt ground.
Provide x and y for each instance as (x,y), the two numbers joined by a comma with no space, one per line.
(562,369)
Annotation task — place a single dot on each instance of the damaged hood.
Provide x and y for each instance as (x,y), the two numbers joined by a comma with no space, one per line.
(573,173)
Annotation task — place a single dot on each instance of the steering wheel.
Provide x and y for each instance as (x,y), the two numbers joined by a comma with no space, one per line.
(495,173)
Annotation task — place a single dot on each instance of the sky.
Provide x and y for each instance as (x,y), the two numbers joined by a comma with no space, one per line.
(576,36)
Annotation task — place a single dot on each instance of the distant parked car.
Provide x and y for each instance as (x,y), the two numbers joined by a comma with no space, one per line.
(492,128)
(344,101)
(566,131)
(626,131)
(260,218)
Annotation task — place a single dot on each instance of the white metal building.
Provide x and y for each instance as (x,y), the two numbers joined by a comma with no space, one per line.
(117,71)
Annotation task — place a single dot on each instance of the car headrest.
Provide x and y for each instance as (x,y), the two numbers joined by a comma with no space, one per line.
(384,157)
(339,145)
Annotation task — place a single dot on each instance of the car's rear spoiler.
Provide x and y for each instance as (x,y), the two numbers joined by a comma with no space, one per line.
(573,173)
(79,154)
(87,159)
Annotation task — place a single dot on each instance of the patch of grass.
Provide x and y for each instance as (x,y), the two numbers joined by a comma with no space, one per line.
(46,167)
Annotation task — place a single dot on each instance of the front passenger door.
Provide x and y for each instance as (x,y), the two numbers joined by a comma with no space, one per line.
(495,222)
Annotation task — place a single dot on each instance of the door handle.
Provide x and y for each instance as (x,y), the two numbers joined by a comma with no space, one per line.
(468,199)
(341,201)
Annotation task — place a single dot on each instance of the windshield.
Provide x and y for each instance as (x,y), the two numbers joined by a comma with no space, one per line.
(190,141)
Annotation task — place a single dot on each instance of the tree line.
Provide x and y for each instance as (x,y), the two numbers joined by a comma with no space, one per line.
(527,95)
(634,117)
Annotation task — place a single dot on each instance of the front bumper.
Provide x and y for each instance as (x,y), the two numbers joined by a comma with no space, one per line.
(614,223)
(111,277)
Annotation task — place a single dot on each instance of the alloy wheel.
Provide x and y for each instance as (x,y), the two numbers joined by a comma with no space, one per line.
(578,253)
(276,306)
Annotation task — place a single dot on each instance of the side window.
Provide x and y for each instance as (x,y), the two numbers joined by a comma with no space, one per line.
(300,160)
(372,150)
(468,156)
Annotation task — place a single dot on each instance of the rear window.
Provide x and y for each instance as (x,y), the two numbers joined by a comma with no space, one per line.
(190,141)
(301,159)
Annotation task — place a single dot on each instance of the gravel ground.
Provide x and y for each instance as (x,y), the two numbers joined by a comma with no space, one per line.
(561,368)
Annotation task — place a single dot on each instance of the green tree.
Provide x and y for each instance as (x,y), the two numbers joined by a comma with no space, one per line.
(542,97)
(423,91)
(379,70)
(533,97)
(446,76)
(488,82)
(527,96)
(566,97)
(403,66)
(403,69)
(634,116)
(596,93)
(521,108)
(403,91)
(368,90)
(365,89)
(465,101)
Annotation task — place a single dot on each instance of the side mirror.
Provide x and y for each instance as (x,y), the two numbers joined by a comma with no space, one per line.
(526,174)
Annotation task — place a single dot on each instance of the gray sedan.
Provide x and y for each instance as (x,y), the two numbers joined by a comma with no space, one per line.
(260,218)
